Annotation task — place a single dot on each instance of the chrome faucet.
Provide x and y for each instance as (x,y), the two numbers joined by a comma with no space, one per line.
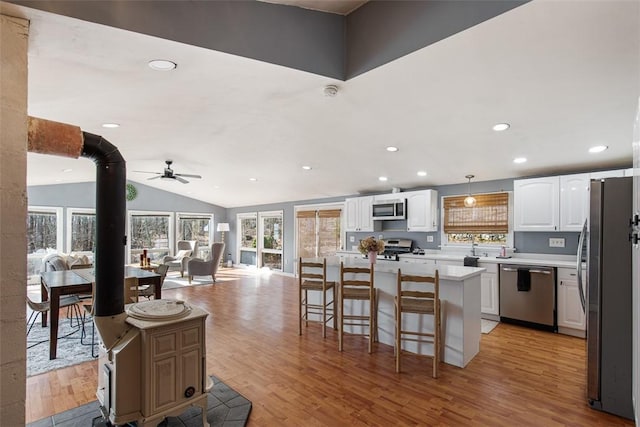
(473,248)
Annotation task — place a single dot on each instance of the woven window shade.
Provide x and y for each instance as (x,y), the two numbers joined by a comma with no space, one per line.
(489,215)
(329,213)
(306,214)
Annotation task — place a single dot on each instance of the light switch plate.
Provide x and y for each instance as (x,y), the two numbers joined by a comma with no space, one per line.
(556,242)
(430,239)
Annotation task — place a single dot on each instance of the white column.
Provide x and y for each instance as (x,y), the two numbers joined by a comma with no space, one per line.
(13,210)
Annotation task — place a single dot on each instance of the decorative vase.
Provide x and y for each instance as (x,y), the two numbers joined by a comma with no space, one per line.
(373,255)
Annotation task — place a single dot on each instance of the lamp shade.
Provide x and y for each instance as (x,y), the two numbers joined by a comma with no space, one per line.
(223,226)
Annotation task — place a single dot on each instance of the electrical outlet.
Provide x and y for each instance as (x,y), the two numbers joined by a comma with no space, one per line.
(430,239)
(352,239)
(557,242)
(380,236)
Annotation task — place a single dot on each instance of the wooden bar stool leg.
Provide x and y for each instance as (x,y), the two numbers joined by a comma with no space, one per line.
(398,316)
(324,314)
(341,320)
(300,302)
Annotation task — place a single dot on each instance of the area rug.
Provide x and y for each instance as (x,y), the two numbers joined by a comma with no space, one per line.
(487,325)
(70,350)
(225,407)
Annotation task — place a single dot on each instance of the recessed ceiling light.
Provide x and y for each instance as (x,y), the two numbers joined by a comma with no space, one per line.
(598,149)
(307,168)
(382,178)
(67,170)
(162,65)
(501,126)
(110,125)
(392,149)
(253,179)
(422,173)
(519,160)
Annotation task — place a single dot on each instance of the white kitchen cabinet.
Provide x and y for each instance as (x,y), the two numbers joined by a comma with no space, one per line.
(571,318)
(358,214)
(574,201)
(422,210)
(536,204)
(489,292)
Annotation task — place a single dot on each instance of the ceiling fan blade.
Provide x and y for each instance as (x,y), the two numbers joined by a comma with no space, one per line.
(182,180)
(155,177)
(186,175)
(157,173)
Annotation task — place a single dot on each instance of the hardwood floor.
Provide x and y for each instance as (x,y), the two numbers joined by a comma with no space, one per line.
(521,377)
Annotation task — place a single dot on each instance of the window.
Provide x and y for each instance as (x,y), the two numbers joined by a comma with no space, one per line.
(271,231)
(196,227)
(43,230)
(150,231)
(81,230)
(247,238)
(44,234)
(487,223)
(318,232)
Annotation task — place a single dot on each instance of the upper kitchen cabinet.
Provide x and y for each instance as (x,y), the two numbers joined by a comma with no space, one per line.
(536,203)
(422,210)
(358,214)
(574,201)
(553,203)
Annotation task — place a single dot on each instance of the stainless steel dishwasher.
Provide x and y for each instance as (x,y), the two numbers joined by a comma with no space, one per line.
(528,296)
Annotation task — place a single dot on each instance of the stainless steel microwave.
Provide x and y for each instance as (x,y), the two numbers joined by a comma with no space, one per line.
(390,209)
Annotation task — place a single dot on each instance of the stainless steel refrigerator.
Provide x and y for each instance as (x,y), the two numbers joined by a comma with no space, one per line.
(609,297)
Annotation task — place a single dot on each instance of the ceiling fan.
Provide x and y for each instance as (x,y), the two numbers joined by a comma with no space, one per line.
(169,174)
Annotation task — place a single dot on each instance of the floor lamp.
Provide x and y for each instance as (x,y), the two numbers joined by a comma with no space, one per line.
(222,227)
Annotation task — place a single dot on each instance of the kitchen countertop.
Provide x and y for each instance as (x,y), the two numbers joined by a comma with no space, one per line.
(562,261)
(448,272)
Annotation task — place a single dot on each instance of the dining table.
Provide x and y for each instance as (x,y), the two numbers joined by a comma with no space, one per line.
(54,284)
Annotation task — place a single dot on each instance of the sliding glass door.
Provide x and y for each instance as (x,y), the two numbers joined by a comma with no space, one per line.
(271,228)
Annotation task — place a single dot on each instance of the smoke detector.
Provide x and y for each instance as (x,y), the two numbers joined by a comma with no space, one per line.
(330,90)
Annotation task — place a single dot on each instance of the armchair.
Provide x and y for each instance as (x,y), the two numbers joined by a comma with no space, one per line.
(199,267)
(186,248)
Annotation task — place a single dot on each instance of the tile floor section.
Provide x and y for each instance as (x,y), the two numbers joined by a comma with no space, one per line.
(225,407)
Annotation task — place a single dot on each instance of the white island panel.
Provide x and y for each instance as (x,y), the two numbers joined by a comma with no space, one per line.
(460,298)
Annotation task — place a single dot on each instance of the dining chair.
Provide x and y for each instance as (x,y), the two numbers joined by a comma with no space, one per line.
(418,295)
(130,290)
(312,277)
(356,284)
(71,302)
(148,291)
(87,316)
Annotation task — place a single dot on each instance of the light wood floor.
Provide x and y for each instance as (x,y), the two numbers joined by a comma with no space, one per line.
(521,377)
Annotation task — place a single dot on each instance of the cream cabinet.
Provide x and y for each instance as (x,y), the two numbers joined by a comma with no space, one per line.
(553,203)
(358,214)
(422,210)
(490,292)
(536,203)
(571,318)
(574,201)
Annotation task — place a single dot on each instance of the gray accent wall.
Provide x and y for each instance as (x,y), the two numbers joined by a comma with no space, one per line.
(83,195)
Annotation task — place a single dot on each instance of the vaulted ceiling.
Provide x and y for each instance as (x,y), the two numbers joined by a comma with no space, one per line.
(563,74)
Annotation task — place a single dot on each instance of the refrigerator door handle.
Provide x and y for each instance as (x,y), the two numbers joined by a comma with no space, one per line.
(579,265)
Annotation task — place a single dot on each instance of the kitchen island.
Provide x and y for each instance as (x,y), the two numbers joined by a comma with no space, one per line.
(460,299)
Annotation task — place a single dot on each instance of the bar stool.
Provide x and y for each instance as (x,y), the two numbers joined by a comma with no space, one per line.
(312,276)
(414,294)
(356,284)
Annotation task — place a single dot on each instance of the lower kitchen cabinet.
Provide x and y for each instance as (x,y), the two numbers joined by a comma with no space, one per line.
(571,318)
(490,292)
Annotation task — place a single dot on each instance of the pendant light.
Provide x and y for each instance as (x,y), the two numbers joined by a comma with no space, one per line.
(469,201)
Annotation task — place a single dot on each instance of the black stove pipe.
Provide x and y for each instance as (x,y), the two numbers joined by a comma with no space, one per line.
(111,181)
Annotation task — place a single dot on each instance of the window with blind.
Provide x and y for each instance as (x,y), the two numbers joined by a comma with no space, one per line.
(318,232)
(486,223)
